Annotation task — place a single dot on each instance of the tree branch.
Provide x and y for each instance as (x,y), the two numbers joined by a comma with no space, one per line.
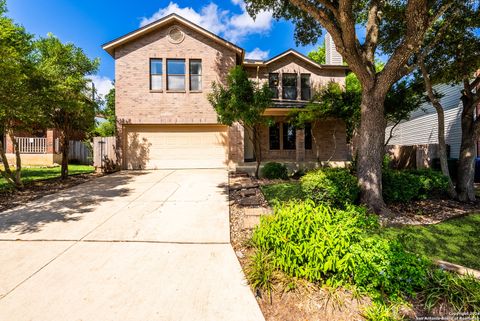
(371,39)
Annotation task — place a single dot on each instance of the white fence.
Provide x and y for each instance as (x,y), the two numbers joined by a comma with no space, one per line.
(32,145)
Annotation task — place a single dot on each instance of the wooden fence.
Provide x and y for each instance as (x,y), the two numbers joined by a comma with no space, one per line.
(80,152)
(104,152)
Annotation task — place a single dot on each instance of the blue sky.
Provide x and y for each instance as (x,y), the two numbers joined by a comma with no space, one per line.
(89,24)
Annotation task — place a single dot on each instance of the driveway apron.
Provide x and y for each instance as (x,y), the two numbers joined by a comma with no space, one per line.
(129,246)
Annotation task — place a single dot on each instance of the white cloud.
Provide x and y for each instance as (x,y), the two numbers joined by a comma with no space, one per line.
(102,85)
(234,27)
(257,53)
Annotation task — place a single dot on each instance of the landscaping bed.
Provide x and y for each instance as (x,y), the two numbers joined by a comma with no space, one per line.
(40,182)
(294,282)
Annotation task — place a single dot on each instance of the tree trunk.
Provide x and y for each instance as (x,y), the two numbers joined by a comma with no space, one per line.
(371,150)
(466,162)
(6,173)
(442,146)
(65,148)
(315,141)
(18,161)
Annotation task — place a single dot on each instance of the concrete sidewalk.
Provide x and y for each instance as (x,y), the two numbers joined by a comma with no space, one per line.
(129,246)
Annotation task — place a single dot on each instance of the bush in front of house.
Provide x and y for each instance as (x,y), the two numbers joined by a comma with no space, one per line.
(332,186)
(336,247)
(402,186)
(273,170)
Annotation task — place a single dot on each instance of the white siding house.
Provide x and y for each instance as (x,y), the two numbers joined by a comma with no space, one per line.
(422,127)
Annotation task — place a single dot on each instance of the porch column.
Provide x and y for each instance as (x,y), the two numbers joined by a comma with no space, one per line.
(50,142)
(300,145)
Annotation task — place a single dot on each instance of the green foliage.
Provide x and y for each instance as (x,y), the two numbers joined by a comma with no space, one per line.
(108,127)
(70,103)
(383,267)
(318,55)
(407,185)
(240,100)
(312,242)
(462,293)
(260,271)
(283,192)
(334,186)
(273,170)
(380,312)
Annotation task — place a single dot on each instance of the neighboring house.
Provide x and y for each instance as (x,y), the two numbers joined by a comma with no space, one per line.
(163,74)
(422,126)
(42,148)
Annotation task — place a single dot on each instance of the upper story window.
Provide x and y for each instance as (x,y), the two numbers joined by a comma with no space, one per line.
(274,136)
(156,74)
(305,86)
(289,86)
(176,74)
(195,74)
(289,136)
(273,83)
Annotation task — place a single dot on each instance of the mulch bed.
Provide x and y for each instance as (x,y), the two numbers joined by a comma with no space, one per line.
(37,189)
(308,301)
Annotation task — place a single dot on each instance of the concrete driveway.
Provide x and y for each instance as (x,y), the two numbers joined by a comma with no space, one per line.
(129,246)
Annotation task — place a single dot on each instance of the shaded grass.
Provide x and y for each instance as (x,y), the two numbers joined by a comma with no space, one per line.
(456,240)
(42,173)
(283,192)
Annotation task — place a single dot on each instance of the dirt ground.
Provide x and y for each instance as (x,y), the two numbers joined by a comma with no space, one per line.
(36,189)
(308,301)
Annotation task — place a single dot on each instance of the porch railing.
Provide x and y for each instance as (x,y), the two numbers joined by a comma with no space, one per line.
(32,145)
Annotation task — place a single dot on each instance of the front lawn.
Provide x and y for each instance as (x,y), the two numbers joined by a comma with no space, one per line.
(42,173)
(456,240)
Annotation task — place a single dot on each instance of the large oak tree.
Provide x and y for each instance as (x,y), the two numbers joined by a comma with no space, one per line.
(347,21)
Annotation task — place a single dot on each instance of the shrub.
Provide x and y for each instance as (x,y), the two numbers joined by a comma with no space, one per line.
(331,186)
(260,271)
(384,268)
(273,170)
(462,293)
(407,185)
(322,244)
(313,241)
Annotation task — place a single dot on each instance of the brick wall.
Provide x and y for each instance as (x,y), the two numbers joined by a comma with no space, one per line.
(135,104)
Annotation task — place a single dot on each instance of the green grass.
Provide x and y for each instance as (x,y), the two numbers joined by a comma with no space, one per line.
(456,240)
(282,192)
(42,173)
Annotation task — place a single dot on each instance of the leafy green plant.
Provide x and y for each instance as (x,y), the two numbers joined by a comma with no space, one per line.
(260,271)
(273,170)
(384,268)
(313,241)
(407,185)
(381,312)
(462,293)
(282,192)
(333,186)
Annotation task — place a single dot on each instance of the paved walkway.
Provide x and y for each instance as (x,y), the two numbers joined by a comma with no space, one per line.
(129,246)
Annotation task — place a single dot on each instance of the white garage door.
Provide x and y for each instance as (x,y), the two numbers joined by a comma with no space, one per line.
(176,146)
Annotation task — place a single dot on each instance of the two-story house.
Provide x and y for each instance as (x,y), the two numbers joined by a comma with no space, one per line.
(163,74)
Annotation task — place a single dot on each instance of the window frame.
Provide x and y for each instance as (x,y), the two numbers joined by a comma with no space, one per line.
(151,74)
(184,75)
(274,89)
(200,75)
(293,146)
(302,87)
(293,76)
(277,127)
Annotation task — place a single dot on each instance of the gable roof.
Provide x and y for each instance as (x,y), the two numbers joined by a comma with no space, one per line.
(254,62)
(111,45)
